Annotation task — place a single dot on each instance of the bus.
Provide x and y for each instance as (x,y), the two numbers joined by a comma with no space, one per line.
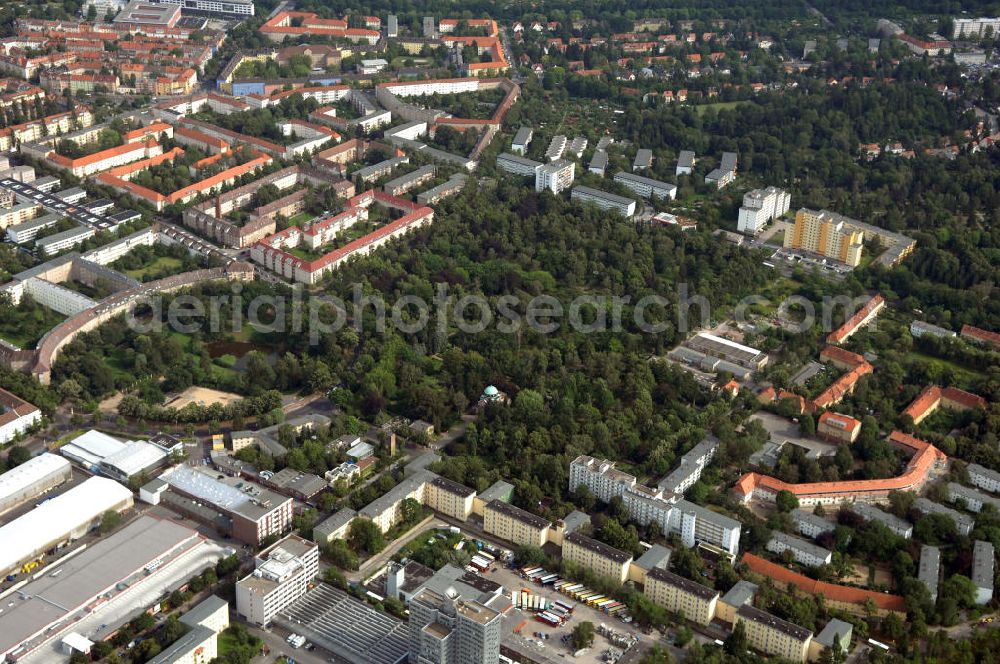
(878,644)
(568,607)
(545,580)
(571,588)
(548,619)
(488,556)
(526,572)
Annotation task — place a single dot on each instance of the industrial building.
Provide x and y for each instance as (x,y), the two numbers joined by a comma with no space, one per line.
(282,574)
(100,453)
(62,518)
(31,479)
(145,552)
(256,513)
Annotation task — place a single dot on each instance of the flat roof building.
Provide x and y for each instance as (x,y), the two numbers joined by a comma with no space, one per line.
(555,176)
(646,187)
(517,165)
(32,479)
(898,526)
(929,571)
(643,159)
(99,452)
(837,632)
(972,500)
(294,483)
(62,518)
(685,162)
(983,570)
(984,478)
(147,13)
(604,200)
(282,574)
(723,348)
(739,595)
(598,163)
(809,524)
(963,522)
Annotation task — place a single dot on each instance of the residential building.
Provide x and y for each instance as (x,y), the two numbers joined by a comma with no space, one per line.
(984,478)
(858,320)
(447,629)
(845,598)
(933,397)
(598,163)
(975,28)
(555,176)
(512,163)
(725,349)
(643,160)
(773,636)
(929,571)
(720,178)
(827,234)
(741,594)
(604,200)
(689,470)
(51,245)
(838,428)
(392,26)
(803,552)
(963,522)
(656,556)
(404,183)
(836,635)
(596,556)
(335,527)
(677,594)
(200,644)
(521,141)
(898,526)
(282,574)
(646,187)
(761,206)
(514,524)
(600,477)
(685,162)
(556,147)
(919,328)
(980,336)
(16,416)
(809,524)
(971,499)
(983,559)
(450,498)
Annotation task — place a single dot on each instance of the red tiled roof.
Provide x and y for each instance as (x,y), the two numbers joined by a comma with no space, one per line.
(839,421)
(852,323)
(979,334)
(841,387)
(838,354)
(831,591)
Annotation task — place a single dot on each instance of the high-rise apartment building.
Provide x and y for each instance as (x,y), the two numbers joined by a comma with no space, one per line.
(827,234)
(447,629)
(282,574)
(759,207)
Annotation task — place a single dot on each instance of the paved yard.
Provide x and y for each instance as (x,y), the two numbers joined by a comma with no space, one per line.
(784,430)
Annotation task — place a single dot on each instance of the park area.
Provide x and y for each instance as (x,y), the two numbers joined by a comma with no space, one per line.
(202,396)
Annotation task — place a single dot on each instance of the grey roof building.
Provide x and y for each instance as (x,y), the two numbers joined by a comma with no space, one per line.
(803,552)
(837,631)
(643,159)
(325,532)
(656,556)
(809,524)
(963,522)
(499,490)
(974,500)
(868,512)
(983,570)
(742,593)
(930,569)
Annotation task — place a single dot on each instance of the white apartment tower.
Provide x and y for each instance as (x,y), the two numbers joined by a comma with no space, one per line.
(760,206)
(446,629)
(282,575)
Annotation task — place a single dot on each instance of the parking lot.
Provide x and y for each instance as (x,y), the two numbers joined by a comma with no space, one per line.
(550,645)
(792,256)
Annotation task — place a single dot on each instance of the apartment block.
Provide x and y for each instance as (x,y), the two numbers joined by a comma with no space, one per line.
(680,595)
(514,524)
(898,526)
(601,477)
(451,498)
(838,428)
(827,234)
(773,636)
(809,524)
(963,522)
(604,200)
(596,556)
(983,570)
(555,176)
(685,162)
(739,595)
(759,207)
(929,571)
(973,500)
(281,575)
(512,163)
(646,187)
(803,552)
(521,141)
(984,478)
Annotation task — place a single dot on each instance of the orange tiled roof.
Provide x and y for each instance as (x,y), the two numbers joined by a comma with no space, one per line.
(980,334)
(831,591)
(838,354)
(840,421)
(841,387)
(66,162)
(852,323)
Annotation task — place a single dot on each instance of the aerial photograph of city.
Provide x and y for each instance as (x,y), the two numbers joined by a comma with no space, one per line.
(499,332)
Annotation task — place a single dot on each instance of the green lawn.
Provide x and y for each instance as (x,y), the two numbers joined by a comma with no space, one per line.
(701,109)
(23,325)
(160,267)
(300,218)
(964,375)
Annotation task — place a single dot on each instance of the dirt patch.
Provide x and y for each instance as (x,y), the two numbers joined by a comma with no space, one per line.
(202,396)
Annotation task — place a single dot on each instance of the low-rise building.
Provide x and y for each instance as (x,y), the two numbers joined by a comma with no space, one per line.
(643,159)
(685,162)
(200,643)
(869,512)
(971,499)
(836,635)
(281,575)
(773,636)
(838,428)
(515,525)
(335,527)
(984,478)
(521,141)
(803,552)
(929,570)
(512,163)
(604,200)
(677,594)
(983,559)
(596,556)
(598,163)
(646,187)
(963,522)
(741,594)
(919,328)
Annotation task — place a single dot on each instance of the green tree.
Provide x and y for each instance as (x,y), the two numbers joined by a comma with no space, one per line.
(786,501)
(583,635)
(109,521)
(364,535)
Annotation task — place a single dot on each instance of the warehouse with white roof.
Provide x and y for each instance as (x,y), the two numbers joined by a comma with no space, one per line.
(65,517)
(99,452)
(31,479)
